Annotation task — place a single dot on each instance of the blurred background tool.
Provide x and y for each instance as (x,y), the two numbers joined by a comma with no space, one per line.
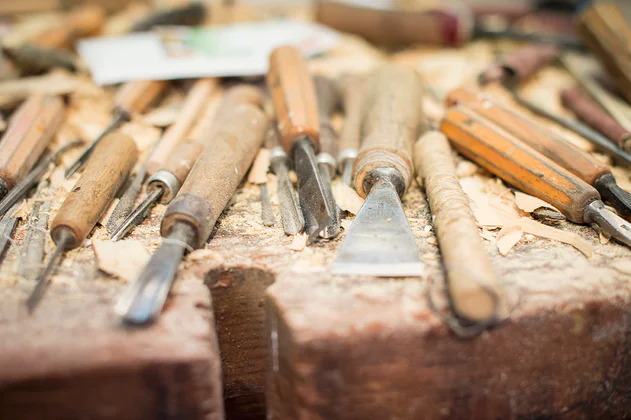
(8,223)
(130,98)
(380,242)
(258,176)
(191,14)
(518,66)
(523,167)
(328,98)
(352,88)
(546,142)
(191,216)
(294,97)
(31,128)
(84,206)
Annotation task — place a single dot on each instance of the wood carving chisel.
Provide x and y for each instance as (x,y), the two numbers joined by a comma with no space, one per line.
(84,206)
(521,166)
(8,223)
(290,212)
(295,102)
(132,97)
(380,241)
(191,216)
(30,130)
(22,188)
(328,98)
(546,142)
(475,293)
(352,91)
(33,247)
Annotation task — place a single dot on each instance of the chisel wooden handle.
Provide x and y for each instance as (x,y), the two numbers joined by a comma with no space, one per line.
(353,97)
(238,95)
(137,96)
(594,116)
(565,154)
(104,174)
(520,65)
(474,291)
(390,123)
(294,97)
(30,131)
(176,168)
(84,21)
(217,173)
(328,100)
(195,100)
(518,164)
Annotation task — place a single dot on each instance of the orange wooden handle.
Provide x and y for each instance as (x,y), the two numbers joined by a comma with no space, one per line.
(86,20)
(506,156)
(294,97)
(105,173)
(30,131)
(390,124)
(138,96)
(565,154)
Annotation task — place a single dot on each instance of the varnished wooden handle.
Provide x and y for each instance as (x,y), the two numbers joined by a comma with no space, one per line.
(475,293)
(328,98)
(181,161)
(217,173)
(594,116)
(138,96)
(390,123)
(104,174)
(195,100)
(521,64)
(294,97)
(84,21)
(30,131)
(565,154)
(353,98)
(518,164)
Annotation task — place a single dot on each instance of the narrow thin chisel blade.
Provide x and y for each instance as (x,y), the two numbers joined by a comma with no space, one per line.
(379,242)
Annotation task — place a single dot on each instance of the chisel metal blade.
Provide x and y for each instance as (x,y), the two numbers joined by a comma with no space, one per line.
(380,242)
(315,206)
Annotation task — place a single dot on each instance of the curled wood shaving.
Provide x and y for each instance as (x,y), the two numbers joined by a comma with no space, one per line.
(508,238)
(123,259)
(299,242)
(528,203)
(347,198)
(258,172)
(489,208)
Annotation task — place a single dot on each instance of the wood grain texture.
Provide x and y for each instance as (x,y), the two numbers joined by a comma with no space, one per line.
(137,96)
(474,290)
(391,121)
(31,129)
(540,138)
(182,159)
(236,138)
(190,112)
(293,93)
(82,22)
(106,171)
(518,164)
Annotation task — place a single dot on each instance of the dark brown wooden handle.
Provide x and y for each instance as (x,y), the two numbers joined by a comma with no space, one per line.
(138,96)
(518,164)
(236,138)
(594,116)
(565,154)
(520,65)
(195,100)
(104,174)
(84,21)
(30,131)
(328,98)
(294,97)
(390,123)
(181,161)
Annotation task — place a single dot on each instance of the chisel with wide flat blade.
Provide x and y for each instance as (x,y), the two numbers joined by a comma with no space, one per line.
(380,242)
(294,97)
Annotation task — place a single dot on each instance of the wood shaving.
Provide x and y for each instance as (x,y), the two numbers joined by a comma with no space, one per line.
(535,228)
(58,180)
(508,238)
(123,259)
(54,83)
(347,198)
(488,235)
(258,172)
(144,135)
(604,240)
(346,224)
(299,242)
(204,255)
(528,203)
(466,168)
(622,266)
(489,208)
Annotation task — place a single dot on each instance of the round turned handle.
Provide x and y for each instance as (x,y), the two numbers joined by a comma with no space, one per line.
(137,96)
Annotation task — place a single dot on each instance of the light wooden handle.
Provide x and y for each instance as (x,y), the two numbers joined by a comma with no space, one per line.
(565,154)
(390,123)
(138,96)
(294,97)
(518,164)
(353,98)
(86,20)
(181,161)
(30,131)
(475,293)
(328,100)
(106,171)
(195,100)
(217,173)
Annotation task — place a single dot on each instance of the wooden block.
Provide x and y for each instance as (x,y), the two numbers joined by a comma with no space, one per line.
(72,359)
(350,348)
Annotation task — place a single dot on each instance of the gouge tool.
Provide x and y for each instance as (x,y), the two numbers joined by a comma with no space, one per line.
(380,242)
(191,216)
(191,14)
(30,130)
(84,206)
(294,97)
(352,91)
(504,155)
(131,98)
(565,154)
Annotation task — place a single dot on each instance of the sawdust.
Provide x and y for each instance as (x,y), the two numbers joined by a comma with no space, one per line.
(123,259)
(466,168)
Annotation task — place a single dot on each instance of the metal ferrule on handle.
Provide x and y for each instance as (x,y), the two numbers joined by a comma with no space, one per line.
(166,181)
